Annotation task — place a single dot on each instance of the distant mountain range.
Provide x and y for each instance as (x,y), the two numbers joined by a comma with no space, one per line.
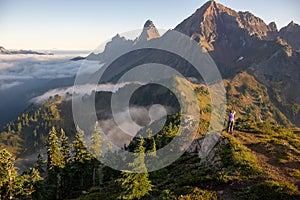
(5,51)
(260,64)
(238,42)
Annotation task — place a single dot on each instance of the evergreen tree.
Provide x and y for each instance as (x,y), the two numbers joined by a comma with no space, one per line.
(23,188)
(53,152)
(39,165)
(96,141)
(54,162)
(65,150)
(81,165)
(97,153)
(13,186)
(38,186)
(8,175)
(111,159)
(152,142)
(80,153)
(136,185)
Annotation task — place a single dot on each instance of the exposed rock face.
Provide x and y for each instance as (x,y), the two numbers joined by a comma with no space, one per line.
(240,41)
(273,27)
(228,35)
(209,149)
(212,23)
(149,32)
(273,31)
(291,34)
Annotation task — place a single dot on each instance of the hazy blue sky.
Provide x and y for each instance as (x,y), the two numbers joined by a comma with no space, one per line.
(84,24)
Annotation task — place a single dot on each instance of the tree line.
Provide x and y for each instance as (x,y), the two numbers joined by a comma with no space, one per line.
(71,168)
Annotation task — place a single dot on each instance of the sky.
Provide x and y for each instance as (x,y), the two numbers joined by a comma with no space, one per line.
(86,24)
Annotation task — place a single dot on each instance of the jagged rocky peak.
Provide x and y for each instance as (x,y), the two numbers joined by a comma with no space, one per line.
(149,31)
(149,24)
(291,27)
(254,25)
(118,42)
(273,32)
(291,34)
(203,25)
(273,27)
(118,37)
(291,24)
(214,22)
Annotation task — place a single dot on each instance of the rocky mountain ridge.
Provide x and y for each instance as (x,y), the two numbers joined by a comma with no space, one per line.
(237,42)
(240,41)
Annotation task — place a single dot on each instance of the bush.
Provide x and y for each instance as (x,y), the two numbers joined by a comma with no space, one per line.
(270,190)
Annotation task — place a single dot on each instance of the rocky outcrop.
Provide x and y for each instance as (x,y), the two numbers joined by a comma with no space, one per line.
(149,32)
(291,34)
(209,149)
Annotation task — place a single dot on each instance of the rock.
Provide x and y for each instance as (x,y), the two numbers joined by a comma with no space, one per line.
(149,32)
(291,34)
(209,149)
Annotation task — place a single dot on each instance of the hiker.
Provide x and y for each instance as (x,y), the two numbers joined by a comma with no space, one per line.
(230,121)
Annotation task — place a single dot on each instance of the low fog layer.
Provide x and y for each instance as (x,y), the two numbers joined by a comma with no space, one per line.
(80,90)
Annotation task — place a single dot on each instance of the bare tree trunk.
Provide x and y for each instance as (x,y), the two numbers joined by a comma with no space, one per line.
(94,176)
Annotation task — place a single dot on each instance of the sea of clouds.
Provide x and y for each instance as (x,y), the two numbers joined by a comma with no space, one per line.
(16,69)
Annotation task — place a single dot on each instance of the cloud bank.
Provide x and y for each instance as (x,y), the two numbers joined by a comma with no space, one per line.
(80,90)
(22,67)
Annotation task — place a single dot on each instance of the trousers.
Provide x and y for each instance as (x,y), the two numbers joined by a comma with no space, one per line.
(230,126)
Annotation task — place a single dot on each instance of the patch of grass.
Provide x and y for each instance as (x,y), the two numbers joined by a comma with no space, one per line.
(238,161)
(270,190)
(273,132)
(198,194)
(295,173)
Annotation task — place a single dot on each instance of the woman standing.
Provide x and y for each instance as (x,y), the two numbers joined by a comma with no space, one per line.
(230,121)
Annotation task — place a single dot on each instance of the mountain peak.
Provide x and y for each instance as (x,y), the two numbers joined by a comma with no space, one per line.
(149,24)
(273,26)
(292,26)
(290,33)
(149,31)
(214,22)
(292,23)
